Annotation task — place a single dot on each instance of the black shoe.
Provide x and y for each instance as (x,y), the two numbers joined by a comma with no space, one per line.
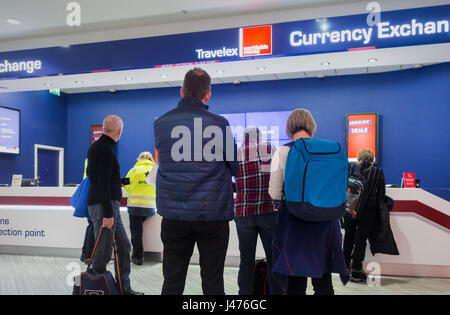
(358,276)
(83,258)
(131,292)
(138,261)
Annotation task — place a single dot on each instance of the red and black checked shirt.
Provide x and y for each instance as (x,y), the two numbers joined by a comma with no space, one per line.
(252,180)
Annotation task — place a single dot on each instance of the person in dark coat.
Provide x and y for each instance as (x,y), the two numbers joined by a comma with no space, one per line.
(302,249)
(368,224)
(194,194)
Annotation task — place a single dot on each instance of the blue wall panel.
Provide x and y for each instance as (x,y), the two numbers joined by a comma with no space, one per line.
(414,108)
(43,121)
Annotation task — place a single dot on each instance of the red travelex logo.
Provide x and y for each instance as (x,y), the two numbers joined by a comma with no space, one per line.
(255,41)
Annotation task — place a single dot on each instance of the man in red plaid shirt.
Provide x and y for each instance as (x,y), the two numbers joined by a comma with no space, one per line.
(255,211)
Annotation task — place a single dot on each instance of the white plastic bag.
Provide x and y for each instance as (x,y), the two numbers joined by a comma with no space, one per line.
(151,177)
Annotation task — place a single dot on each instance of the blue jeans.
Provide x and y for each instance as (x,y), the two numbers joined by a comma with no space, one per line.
(248,229)
(104,248)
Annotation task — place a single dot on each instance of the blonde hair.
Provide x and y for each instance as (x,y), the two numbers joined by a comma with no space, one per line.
(146,156)
(300,119)
(365,155)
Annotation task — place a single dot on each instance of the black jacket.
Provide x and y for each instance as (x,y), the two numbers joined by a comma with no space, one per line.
(195,188)
(104,174)
(374,213)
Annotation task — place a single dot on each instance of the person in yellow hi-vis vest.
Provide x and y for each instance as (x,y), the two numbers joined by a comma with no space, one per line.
(141,202)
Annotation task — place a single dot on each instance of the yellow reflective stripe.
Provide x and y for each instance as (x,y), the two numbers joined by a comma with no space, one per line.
(139,205)
(141,197)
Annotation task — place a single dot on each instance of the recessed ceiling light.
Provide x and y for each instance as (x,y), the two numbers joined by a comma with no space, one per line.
(164,76)
(326,63)
(113,90)
(321,76)
(261,68)
(324,26)
(128,78)
(373,60)
(13,21)
(418,66)
(220,71)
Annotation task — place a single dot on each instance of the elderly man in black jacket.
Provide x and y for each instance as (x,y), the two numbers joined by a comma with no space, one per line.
(194,195)
(104,198)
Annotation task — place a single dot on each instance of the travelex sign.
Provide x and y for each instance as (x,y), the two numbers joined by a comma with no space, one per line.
(253,41)
(411,27)
(338,34)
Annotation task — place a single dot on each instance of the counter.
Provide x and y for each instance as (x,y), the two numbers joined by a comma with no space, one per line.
(39,221)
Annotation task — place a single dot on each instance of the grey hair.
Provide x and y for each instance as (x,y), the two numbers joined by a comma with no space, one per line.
(112,123)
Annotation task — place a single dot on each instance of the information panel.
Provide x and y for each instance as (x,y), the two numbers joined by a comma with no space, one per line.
(362,133)
(9,130)
(272,125)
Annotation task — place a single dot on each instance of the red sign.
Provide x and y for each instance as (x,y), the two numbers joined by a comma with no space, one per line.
(96,132)
(361,134)
(255,41)
(409,180)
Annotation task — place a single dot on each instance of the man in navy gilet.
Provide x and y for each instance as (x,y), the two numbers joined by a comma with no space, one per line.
(194,195)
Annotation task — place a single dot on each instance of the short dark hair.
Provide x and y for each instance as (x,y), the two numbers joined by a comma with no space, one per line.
(197,83)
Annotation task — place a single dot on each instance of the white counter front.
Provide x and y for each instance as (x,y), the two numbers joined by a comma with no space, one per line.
(40,218)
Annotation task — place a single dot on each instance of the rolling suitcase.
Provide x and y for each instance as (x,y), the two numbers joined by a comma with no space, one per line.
(93,283)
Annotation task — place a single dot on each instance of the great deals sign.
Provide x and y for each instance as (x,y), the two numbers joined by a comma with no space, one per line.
(361,134)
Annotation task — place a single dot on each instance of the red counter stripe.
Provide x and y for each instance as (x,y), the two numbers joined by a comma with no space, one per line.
(41,201)
(412,206)
(362,48)
(423,210)
(35,201)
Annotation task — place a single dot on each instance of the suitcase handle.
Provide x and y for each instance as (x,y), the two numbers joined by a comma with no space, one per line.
(116,257)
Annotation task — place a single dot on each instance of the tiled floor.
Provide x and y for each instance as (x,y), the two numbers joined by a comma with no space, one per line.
(49,275)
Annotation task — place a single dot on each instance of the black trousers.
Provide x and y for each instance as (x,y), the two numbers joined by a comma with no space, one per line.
(179,239)
(89,240)
(321,286)
(357,233)
(136,230)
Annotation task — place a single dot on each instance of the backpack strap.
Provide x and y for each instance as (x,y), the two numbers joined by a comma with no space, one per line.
(290,144)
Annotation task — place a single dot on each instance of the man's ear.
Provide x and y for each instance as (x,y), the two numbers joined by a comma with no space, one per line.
(181,93)
(207,97)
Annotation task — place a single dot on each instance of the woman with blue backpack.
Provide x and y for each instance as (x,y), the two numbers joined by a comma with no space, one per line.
(309,176)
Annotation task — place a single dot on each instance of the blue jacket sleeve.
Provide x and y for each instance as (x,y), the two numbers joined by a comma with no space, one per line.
(230,150)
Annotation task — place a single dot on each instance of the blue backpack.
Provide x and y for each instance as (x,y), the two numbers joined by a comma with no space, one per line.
(315,183)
